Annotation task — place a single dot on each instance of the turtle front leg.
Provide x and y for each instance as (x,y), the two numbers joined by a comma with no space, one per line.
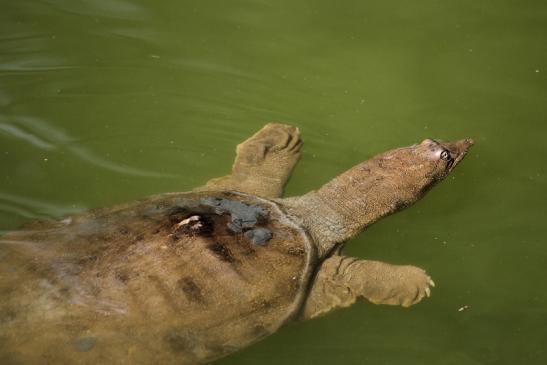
(263,162)
(342,279)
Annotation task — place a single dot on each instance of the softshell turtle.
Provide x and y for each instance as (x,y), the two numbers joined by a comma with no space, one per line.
(186,278)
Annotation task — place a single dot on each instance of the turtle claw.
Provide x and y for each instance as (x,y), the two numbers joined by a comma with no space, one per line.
(403,285)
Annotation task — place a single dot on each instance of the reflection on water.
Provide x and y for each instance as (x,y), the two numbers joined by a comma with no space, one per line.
(107,101)
(28,137)
(118,9)
(44,136)
(32,208)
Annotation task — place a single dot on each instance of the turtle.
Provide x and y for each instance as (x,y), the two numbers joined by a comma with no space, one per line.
(190,277)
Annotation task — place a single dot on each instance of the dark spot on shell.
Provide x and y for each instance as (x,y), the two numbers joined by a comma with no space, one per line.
(7,316)
(89,259)
(248,250)
(7,356)
(295,251)
(124,231)
(259,331)
(399,205)
(179,342)
(221,251)
(122,276)
(214,202)
(165,291)
(139,237)
(235,227)
(258,236)
(266,304)
(242,215)
(177,214)
(191,290)
(263,304)
(84,344)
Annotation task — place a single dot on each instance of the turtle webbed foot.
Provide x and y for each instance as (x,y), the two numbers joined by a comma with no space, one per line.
(403,285)
(342,279)
(263,162)
(275,143)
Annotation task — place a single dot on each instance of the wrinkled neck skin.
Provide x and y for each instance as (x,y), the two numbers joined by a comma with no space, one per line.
(383,185)
(348,204)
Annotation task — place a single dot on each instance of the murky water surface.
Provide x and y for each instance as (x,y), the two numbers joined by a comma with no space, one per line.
(105,101)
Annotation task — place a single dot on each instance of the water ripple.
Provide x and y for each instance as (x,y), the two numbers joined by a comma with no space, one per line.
(14,210)
(117,9)
(19,133)
(35,208)
(42,135)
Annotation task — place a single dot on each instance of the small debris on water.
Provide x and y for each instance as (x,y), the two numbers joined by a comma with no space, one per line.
(463,308)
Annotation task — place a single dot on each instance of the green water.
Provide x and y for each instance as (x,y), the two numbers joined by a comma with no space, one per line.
(104,101)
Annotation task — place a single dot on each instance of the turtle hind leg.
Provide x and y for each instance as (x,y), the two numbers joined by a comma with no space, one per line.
(263,162)
(342,279)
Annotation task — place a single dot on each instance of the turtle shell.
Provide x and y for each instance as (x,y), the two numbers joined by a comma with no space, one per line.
(177,278)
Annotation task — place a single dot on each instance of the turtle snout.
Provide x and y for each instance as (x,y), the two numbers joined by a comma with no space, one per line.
(463,145)
(468,142)
(458,150)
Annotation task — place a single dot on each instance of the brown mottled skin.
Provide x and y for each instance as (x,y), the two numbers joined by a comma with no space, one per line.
(169,280)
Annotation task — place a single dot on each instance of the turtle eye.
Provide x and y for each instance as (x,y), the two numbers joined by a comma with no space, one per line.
(445,155)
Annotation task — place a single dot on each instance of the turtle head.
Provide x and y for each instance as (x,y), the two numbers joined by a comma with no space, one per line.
(411,171)
(441,157)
